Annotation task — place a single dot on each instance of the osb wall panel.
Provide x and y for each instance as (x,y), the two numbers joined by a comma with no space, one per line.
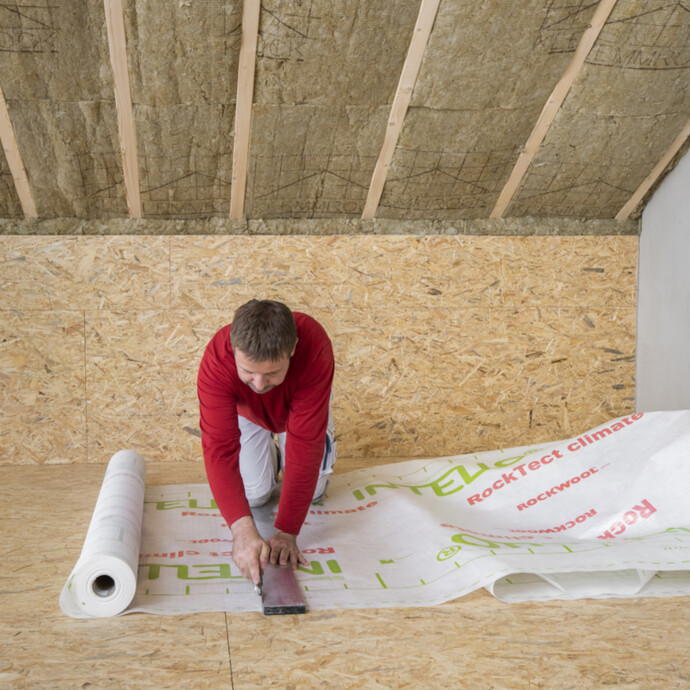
(141,371)
(84,273)
(42,387)
(443,344)
(404,273)
(456,380)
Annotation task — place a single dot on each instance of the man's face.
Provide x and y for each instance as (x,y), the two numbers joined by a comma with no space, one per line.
(261,376)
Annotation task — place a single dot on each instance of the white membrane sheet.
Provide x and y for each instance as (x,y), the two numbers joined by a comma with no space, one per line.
(605,514)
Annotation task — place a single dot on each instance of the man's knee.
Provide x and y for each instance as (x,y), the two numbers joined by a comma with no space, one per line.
(320,491)
(255,501)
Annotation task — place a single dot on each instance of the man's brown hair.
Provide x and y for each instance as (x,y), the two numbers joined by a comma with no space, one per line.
(264,330)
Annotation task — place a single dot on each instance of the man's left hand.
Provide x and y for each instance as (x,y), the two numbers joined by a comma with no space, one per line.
(284,550)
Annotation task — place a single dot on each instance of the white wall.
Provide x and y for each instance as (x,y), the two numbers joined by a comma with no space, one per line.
(663,300)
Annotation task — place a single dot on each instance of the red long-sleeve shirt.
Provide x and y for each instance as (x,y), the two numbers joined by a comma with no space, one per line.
(299,405)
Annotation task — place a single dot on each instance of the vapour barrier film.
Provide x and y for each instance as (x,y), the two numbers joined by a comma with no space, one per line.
(104,579)
(601,515)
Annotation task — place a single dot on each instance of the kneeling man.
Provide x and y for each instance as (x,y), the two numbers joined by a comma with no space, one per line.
(268,372)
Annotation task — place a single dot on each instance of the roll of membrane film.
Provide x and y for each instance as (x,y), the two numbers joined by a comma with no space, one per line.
(103,581)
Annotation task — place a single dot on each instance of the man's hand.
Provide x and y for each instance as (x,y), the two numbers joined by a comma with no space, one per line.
(284,550)
(249,551)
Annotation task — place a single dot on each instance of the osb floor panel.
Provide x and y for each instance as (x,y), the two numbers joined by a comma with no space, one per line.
(473,642)
(443,344)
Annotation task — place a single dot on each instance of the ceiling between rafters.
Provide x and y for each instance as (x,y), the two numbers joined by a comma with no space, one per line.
(326,77)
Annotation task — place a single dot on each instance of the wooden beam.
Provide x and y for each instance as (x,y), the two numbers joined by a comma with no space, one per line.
(653,176)
(117,45)
(401,102)
(553,104)
(14,160)
(243,106)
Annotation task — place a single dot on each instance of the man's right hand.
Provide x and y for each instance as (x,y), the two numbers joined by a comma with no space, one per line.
(249,551)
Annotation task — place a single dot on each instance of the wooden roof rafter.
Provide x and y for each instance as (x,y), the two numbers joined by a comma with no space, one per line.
(117,46)
(401,101)
(552,106)
(243,106)
(14,160)
(653,176)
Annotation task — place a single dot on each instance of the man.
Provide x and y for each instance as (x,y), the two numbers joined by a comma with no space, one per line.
(269,372)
